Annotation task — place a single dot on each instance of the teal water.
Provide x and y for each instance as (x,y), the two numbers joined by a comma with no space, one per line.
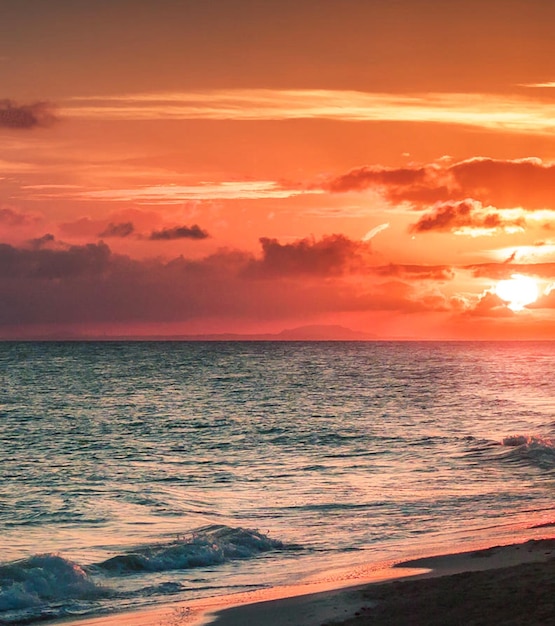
(134,473)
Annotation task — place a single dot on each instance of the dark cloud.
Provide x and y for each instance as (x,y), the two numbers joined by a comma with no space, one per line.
(26,116)
(41,262)
(179,232)
(45,241)
(452,216)
(72,286)
(331,255)
(122,229)
(11,217)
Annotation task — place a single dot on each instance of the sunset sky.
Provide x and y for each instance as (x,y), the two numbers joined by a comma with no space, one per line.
(188,167)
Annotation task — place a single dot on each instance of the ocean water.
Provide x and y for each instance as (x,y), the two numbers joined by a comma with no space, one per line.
(147,472)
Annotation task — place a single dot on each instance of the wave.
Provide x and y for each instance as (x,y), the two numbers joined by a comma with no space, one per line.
(48,586)
(530,449)
(528,440)
(44,579)
(210,545)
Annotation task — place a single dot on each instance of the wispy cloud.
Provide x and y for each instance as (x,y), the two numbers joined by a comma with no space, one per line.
(487,111)
(547,85)
(372,233)
(176,194)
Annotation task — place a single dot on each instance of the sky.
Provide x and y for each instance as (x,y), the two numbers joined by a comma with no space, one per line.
(193,167)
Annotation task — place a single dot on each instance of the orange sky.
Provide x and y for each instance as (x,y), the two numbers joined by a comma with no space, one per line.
(238,166)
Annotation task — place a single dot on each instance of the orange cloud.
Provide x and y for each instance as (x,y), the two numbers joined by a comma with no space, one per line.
(545,301)
(465,216)
(506,269)
(490,305)
(419,272)
(526,183)
(486,111)
(177,194)
(364,177)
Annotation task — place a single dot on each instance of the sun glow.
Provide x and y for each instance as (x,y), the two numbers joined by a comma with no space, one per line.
(517,291)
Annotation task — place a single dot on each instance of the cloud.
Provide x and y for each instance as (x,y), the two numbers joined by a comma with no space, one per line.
(179,232)
(331,255)
(375,231)
(521,182)
(121,229)
(26,116)
(116,224)
(416,185)
(419,272)
(547,85)
(177,194)
(486,111)
(399,296)
(490,305)
(364,177)
(507,269)
(545,301)
(465,217)
(526,183)
(13,218)
(46,241)
(42,262)
(65,286)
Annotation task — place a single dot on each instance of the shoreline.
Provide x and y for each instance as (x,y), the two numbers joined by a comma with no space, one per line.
(474,582)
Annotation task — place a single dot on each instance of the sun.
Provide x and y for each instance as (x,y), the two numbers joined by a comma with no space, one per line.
(517,291)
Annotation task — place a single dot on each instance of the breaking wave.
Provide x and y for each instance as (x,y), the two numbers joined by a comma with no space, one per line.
(43,580)
(210,545)
(530,449)
(48,586)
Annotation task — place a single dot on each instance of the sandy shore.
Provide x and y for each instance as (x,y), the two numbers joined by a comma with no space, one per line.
(503,585)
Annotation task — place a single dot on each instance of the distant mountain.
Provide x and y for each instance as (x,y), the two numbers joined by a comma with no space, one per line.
(316,332)
(323,332)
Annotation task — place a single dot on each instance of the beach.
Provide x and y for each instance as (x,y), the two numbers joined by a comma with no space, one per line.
(510,585)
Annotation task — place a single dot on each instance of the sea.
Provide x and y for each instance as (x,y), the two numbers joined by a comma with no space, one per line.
(142,473)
